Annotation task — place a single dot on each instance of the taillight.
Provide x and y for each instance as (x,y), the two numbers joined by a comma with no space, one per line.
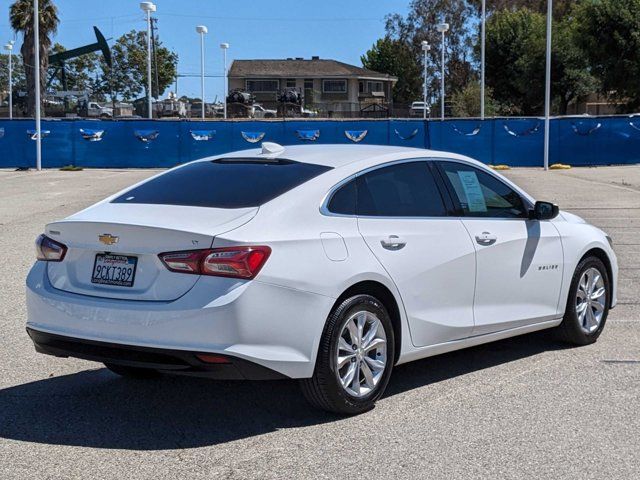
(236,262)
(49,250)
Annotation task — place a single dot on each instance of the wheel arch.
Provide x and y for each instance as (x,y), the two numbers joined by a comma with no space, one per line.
(600,254)
(388,299)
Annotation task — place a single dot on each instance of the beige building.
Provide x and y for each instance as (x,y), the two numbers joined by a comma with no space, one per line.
(328,86)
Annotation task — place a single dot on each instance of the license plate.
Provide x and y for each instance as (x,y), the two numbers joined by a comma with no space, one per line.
(119,270)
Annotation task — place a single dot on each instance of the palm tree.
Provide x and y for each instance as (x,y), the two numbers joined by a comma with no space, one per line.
(21,16)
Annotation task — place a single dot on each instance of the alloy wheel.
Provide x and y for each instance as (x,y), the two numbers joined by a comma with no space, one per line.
(591,298)
(361,356)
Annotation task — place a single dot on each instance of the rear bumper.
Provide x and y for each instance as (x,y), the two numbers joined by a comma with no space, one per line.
(276,327)
(164,360)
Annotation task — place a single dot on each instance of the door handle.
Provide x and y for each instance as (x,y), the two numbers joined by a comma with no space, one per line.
(393,242)
(486,239)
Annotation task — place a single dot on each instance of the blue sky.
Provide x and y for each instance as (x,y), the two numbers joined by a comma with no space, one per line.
(337,29)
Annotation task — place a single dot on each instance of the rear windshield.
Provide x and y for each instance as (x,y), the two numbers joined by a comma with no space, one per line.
(224,183)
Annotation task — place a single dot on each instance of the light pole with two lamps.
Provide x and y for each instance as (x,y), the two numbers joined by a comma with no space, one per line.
(9,48)
(425,50)
(442,28)
(202,30)
(148,8)
(225,47)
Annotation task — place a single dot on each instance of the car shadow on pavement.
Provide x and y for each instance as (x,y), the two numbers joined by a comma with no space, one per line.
(95,408)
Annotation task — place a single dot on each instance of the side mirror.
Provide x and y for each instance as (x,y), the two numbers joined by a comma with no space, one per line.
(544,211)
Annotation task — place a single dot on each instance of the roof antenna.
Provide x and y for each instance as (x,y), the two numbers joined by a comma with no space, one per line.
(271,149)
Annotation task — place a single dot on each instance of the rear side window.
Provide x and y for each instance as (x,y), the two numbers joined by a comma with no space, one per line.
(343,200)
(401,190)
(224,183)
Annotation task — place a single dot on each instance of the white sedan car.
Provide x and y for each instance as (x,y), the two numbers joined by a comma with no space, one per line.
(324,263)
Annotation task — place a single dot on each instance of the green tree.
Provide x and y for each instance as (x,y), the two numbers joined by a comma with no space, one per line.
(128,77)
(560,7)
(515,62)
(466,102)
(396,58)
(21,18)
(515,48)
(609,33)
(419,25)
(19,80)
(571,73)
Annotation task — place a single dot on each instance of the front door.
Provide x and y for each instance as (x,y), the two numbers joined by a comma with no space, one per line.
(429,256)
(519,261)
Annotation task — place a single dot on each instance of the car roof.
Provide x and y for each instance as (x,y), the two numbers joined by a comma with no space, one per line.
(337,156)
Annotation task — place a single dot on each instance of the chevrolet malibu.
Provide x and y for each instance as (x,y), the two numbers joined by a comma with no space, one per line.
(328,264)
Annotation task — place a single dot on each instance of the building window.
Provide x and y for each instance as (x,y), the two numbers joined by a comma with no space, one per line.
(262,85)
(361,87)
(308,83)
(375,87)
(291,83)
(334,86)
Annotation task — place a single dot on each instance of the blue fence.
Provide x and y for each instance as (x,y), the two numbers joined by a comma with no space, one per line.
(146,143)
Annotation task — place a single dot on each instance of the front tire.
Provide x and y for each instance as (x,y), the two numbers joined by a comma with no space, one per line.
(588,303)
(355,357)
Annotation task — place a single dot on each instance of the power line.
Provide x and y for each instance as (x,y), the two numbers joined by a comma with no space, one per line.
(272,19)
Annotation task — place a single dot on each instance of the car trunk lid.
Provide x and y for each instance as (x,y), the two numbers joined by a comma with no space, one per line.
(131,236)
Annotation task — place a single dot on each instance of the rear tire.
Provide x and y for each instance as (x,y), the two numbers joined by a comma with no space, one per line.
(132,372)
(587,305)
(355,358)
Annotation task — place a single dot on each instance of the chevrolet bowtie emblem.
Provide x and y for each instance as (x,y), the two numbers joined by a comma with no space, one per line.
(108,239)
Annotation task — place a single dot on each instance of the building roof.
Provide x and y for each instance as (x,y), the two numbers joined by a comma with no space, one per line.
(296,68)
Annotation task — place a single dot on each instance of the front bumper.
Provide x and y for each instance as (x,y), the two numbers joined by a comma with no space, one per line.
(166,361)
(276,327)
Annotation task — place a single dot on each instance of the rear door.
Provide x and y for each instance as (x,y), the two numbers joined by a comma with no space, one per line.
(519,261)
(430,257)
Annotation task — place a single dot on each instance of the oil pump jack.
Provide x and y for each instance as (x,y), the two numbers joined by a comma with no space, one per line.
(57,62)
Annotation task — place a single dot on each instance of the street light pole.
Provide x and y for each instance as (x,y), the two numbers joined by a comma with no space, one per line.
(442,28)
(148,7)
(425,50)
(37,73)
(482,50)
(547,86)
(225,47)
(9,48)
(201,29)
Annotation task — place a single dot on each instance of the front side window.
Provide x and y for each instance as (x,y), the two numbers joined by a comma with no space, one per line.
(401,190)
(334,86)
(480,194)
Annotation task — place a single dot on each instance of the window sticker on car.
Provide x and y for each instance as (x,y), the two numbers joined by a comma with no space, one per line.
(473,191)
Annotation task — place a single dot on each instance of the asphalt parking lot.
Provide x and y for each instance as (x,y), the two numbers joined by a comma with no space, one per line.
(522,408)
